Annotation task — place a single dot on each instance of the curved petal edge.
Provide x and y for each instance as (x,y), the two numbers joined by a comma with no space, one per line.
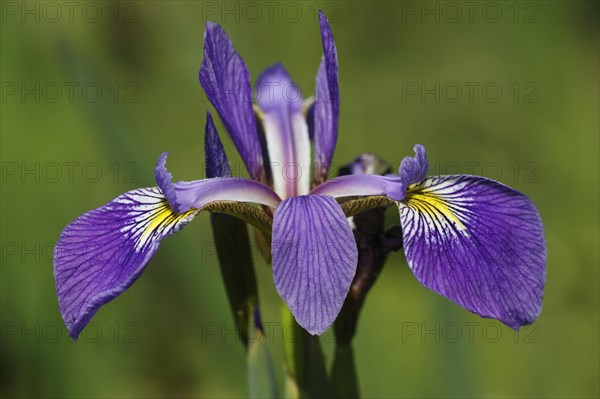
(226,82)
(326,108)
(314,259)
(479,243)
(101,253)
(186,195)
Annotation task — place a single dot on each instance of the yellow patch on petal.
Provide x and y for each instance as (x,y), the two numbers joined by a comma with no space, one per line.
(432,205)
(162,219)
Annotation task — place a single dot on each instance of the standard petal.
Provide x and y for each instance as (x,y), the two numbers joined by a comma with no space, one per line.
(226,81)
(101,253)
(196,194)
(414,170)
(479,243)
(286,132)
(327,103)
(362,185)
(314,259)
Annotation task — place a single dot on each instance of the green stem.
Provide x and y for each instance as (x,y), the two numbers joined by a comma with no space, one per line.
(305,360)
(344,379)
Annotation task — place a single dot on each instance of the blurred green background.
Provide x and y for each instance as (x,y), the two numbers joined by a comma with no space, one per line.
(530,121)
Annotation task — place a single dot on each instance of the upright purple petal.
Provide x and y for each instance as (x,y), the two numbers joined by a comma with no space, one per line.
(226,81)
(314,259)
(286,132)
(217,164)
(101,253)
(277,92)
(479,243)
(327,103)
(414,170)
(183,196)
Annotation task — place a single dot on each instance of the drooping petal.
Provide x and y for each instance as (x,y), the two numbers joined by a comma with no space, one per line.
(327,103)
(479,243)
(286,132)
(101,253)
(217,164)
(226,81)
(196,194)
(414,170)
(362,185)
(314,259)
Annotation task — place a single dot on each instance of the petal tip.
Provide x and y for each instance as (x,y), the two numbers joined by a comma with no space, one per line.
(212,26)
(419,149)
(164,180)
(316,331)
(414,170)
(323,21)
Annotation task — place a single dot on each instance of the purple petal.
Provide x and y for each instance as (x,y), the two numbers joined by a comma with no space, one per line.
(183,196)
(163,179)
(226,81)
(276,91)
(362,185)
(314,259)
(479,243)
(217,164)
(327,102)
(414,170)
(101,253)
(286,132)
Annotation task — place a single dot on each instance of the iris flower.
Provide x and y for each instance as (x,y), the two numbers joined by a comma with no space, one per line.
(471,239)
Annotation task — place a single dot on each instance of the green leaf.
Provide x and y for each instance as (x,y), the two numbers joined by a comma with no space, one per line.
(344,380)
(290,386)
(261,378)
(304,359)
(235,260)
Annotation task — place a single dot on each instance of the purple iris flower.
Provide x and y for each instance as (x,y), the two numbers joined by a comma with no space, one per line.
(471,239)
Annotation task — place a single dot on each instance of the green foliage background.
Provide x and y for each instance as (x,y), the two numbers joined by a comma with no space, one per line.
(171,334)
